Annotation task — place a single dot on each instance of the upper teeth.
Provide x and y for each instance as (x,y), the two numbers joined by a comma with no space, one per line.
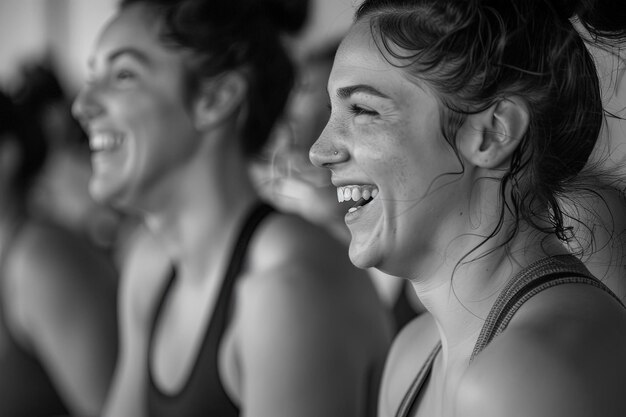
(104,141)
(356,192)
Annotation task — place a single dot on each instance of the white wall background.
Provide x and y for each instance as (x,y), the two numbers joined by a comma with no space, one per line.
(68,28)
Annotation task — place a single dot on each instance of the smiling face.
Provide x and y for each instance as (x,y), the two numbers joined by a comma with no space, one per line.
(384,147)
(132,106)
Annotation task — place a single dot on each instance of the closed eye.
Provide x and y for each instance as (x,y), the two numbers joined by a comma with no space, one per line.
(360,111)
(124,75)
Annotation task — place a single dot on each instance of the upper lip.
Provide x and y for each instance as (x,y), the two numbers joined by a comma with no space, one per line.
(354,182)
(90,130)
(100,130)
(343,182)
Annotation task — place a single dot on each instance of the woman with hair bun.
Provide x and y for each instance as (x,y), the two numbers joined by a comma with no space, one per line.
(459,125)
(227,307)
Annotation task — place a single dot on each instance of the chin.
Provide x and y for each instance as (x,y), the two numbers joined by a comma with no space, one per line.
(362,258)
(103,193)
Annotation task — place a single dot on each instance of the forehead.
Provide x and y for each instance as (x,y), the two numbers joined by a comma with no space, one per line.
(359,61)
(359,50)
(135,28)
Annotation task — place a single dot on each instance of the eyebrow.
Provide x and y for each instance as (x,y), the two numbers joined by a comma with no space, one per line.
(346,92)
(133,52)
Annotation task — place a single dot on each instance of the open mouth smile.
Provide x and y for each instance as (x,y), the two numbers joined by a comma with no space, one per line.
(361,194)
(104,141)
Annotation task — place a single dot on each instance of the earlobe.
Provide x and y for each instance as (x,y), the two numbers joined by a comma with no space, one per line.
(496,133)
(218,99)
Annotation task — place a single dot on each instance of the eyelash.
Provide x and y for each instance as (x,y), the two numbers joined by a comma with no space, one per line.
(360,111)
(124,75)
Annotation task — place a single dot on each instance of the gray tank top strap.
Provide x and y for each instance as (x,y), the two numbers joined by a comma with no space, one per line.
(543,274)
(414,390)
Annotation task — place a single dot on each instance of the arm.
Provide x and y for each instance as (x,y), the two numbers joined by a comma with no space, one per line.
(130,378)
(144,274)
(62,310)
(310,331)
(295,354)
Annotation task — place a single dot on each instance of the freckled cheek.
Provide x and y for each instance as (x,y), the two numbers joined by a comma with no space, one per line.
(399,169)
(395,159)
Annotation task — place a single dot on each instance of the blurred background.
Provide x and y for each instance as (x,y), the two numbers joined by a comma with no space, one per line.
(63,31)
(44,48)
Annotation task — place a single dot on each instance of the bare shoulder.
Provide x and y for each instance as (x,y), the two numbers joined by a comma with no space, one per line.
(301,308)
(299,282)
(562,355)
(408,353)
(52,270)
(298,254)
(289,239)
(294,266)
(53,253)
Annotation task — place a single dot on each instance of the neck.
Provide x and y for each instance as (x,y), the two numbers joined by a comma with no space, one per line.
(202,211)
(460,294)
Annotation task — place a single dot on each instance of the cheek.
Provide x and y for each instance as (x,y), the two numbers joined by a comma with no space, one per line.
(401,171)
(398,157)
(156,114)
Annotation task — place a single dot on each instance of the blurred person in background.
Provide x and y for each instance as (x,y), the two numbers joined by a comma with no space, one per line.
(228,307)
(58,335)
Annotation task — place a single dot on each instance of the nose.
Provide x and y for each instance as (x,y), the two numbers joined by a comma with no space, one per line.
(326,152)
(86,106)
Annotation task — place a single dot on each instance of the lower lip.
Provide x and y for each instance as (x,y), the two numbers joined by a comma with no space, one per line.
(110,148)
(105,157)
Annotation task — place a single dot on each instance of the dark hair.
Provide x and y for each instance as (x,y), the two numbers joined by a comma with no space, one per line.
(238,34)
(474,53)
(33,150)
(605,20)
(38,93)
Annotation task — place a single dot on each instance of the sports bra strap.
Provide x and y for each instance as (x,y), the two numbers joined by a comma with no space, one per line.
(543,274)
(418,383)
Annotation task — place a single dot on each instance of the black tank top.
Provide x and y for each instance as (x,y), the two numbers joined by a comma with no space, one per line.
(25,387)
(203,393)
(543,274)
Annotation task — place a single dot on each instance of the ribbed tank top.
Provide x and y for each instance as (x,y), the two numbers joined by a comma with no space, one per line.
(541,275)
(203,393)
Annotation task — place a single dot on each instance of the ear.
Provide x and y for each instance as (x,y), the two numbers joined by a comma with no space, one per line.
(489,138)
(218,99)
